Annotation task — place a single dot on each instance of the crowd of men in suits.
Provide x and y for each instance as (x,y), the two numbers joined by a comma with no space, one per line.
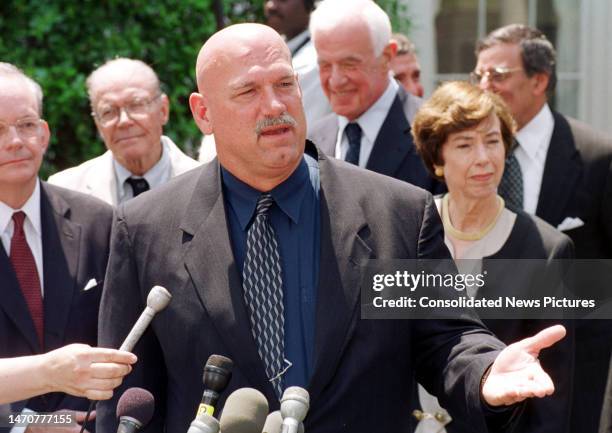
(278,171)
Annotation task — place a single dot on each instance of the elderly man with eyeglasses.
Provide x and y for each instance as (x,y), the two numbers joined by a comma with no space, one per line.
(561,171)
(54,247)
(129,110)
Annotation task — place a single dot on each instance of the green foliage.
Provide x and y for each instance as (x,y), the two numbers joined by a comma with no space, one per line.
(397,11)
(59,42)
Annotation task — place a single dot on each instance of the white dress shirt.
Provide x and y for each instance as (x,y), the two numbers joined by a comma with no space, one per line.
(32,227)
(157,175)
(370,122)
(534,141)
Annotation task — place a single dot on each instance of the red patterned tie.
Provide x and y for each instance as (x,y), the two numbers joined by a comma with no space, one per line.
(27,274)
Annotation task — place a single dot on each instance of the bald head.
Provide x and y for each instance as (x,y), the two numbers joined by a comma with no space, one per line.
(249,98)
(123,70)
(237,43)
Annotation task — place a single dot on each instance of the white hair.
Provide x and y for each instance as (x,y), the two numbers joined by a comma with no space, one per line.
(9,70)
(332,13)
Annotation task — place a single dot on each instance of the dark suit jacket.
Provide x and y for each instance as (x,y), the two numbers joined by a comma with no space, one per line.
(75,242)
(577,182)
(394,153)
(532,238)
(177,236)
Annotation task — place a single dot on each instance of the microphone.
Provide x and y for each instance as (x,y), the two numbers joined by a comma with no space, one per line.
(204,423)
(217,374)
(134,410)
(157,300)
(294,407)
(274,423)
(245,411)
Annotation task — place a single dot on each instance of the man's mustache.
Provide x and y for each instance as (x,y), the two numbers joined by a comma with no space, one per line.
(284,119)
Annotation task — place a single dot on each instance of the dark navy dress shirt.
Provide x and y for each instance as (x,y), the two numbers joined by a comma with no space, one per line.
(295,218)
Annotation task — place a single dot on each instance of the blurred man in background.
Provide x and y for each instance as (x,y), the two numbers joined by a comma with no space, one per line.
(405,66)
(129,110)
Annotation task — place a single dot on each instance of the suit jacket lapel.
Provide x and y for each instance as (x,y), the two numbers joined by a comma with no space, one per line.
(13,302)
(342,252)
(101,180)
(561,172)
(393,143)
(210,262)
(61,247)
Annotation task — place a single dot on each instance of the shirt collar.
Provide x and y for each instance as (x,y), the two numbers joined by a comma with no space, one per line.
(372,120)
(31,208)
(536,134)
(288,195)
(154,177)
(295,42)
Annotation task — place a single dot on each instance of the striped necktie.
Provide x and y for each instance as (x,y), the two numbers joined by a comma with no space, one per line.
(263,291)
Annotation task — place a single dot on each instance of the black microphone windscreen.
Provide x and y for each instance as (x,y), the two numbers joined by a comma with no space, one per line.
(137,403)
(217,373)
(245,411)
(220,361)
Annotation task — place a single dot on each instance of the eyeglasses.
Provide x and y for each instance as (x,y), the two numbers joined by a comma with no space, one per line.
(26,128)
(136,109)
(495,75)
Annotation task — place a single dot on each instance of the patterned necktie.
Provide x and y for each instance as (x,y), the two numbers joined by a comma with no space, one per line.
(263,291)
(139,185)
(511,185)
(353,133)
(27,275)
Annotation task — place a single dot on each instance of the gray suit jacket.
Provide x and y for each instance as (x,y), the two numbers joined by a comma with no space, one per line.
(177,236)
(96,177)
(394,153)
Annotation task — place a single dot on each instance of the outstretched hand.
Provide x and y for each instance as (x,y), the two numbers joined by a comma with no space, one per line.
(516,373)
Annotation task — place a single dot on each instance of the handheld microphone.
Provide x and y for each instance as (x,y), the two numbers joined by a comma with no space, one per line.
(274,423)
(217,374)
(294,407)
(157,300)
(134,410)
(245,411)
(204,423)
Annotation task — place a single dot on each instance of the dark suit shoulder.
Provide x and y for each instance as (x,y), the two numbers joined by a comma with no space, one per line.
(375,187)
(79,205)
(591,143)
(532,237)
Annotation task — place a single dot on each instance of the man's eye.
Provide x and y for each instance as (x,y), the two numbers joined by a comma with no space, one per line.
(106,111)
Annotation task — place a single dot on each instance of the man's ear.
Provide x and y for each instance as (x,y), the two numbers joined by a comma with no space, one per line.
(45,135)
(165,108)
(540,83)
(390,51)
(199,110)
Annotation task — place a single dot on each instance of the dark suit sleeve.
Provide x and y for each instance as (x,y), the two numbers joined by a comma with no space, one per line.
(123,301)
(451,356)
(606,207)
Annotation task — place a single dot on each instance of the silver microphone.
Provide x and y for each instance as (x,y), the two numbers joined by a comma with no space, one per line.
(274,422)
(204,423)
(294,407)
(157,300)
